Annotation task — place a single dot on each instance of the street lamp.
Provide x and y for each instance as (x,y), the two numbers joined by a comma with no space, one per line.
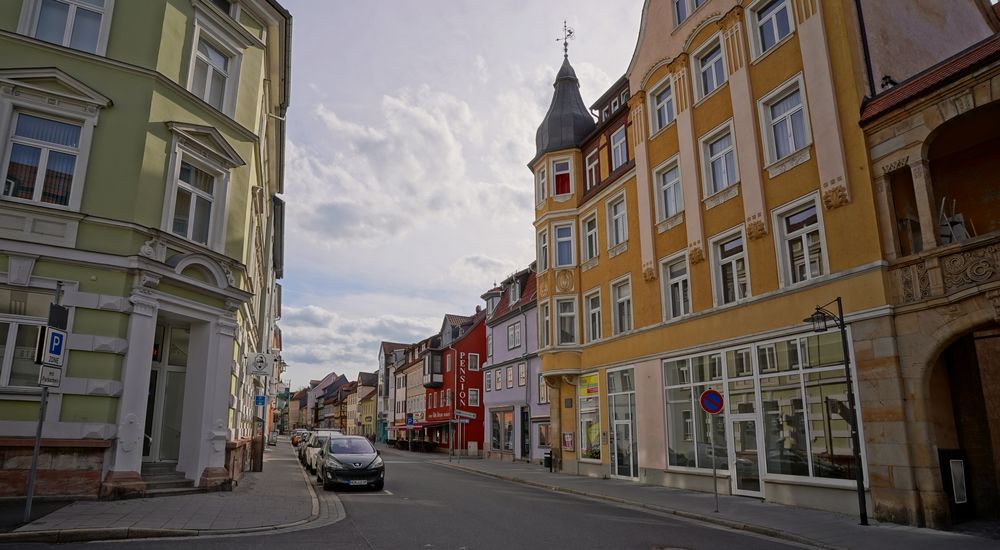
(819,319)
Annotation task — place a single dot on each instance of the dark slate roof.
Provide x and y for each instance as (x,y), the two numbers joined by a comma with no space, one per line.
(568,120)
(367,378)
(528,294)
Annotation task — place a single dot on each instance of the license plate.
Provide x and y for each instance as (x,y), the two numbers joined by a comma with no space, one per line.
(359,482)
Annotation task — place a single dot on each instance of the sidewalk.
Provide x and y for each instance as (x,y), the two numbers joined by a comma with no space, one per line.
(803,525)
(280,497)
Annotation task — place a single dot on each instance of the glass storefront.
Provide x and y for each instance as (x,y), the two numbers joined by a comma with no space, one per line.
(624,437)
(590,417)
(787,402)
(502,430)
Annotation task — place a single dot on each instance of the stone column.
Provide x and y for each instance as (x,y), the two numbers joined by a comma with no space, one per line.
(886,217)
(923,192)
(637,117)
(214,422)
(124,477)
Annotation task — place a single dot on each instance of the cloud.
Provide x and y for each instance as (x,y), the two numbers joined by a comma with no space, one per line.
(480,69)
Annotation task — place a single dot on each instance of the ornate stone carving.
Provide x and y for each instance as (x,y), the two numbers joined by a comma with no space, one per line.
(229,274)
(154,249)
(543,286)
(695,254)
(835,197)
(755,226)
(915,283)
(895,165)
(233,305)
(970,268)
(649,274)
(564,280)
(145,281)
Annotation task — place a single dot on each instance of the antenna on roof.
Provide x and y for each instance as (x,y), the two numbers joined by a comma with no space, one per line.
(568,35)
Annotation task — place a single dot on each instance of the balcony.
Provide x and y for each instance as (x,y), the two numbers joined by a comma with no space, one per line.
(433,380)
(946,270)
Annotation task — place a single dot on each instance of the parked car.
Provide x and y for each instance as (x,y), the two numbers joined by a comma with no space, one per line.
(351,461)
(300,449)
(316,443)
(297,436)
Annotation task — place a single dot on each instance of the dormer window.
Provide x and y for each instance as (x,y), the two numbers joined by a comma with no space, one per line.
(515,292)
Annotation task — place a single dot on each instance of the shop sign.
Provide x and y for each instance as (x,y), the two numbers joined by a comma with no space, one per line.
(568,444)
(588,385)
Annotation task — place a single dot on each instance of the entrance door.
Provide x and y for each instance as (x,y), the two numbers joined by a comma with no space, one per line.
(525,434)
(621,404)
(165,401)
(747,478)
(622,457)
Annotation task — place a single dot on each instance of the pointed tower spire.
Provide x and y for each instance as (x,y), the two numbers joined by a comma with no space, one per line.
(567,121)
(566,37)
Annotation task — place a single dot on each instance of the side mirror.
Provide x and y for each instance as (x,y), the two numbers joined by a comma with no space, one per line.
(378,452)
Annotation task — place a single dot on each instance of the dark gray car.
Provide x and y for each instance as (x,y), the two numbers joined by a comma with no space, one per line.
(351,461)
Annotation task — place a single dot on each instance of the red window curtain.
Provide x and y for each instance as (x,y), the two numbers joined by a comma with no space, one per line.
(562,184)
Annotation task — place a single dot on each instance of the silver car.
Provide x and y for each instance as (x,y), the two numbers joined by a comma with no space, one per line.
(315,447)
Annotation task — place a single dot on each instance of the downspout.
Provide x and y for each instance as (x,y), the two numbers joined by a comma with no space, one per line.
(864,49)
(527,382)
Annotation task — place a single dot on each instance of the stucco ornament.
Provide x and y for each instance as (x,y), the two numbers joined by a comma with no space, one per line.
(543,287)
(154,249)
(971,268)
(648,273)
(230,278)
(564,281)
(695,254)
(755,226)
(835,193)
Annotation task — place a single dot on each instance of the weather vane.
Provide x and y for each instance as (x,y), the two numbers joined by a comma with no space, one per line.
(566,37)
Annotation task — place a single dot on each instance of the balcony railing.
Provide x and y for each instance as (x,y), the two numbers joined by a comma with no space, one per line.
(946,270)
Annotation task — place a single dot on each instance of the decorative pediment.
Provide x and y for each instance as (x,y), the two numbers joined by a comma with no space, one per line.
(207,141)
(200,267)
(51,86)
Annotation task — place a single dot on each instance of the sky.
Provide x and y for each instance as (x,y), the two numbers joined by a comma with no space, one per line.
(408,136)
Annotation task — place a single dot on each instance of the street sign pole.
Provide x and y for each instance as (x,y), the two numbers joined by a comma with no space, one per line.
(712,403)
(715,477)
(38,434)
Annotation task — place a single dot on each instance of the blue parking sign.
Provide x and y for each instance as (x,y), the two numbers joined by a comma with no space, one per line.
(53,347)
(259,401)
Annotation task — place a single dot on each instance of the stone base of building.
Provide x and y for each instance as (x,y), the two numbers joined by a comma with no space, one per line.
(119,485)
(216,479)
(70,468)
(238,457)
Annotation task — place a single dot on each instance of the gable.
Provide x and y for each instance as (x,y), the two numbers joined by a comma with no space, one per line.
(208,142)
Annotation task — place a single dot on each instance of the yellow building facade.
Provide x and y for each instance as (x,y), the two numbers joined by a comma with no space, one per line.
(723,194)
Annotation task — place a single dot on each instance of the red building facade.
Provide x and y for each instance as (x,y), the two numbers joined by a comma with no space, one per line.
(453,378)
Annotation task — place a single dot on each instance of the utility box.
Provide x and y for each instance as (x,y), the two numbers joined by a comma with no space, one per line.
(473,448)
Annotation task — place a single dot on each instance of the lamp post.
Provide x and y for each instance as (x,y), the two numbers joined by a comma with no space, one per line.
(819,320)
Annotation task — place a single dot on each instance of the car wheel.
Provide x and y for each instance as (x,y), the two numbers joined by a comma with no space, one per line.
(379,484)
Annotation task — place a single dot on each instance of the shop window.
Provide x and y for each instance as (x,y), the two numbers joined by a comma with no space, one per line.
(544,440)
(502,430)
(590,417)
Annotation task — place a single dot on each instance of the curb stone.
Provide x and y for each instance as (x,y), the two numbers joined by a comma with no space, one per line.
(731,524)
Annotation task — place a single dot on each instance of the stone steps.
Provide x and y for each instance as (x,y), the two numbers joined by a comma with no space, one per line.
(163,479)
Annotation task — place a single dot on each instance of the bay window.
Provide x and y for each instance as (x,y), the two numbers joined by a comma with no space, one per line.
(566,311)
(564,245)
(561,175)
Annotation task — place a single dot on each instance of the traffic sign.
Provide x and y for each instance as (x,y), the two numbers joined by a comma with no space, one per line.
(711,401)
(261,364)
(49,376)
(51,348)
(409,420)
(463,420)
(465,414)
(260,400)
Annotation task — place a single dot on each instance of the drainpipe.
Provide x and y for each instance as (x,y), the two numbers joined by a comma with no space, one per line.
(864,49)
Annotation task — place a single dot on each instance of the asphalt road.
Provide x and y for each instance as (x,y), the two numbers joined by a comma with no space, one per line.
(428,506)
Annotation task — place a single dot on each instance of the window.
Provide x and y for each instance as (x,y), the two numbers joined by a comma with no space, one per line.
(676,288)
(543,250)
(593,305)
(543,435)
(473,361)
(211,73)
(619,149)
(502,430)
(564,245)
(522,374)
(771,23)
(78,24)
(617,223)
(668,182)
(560,172)
(543,390)
(720,161)
(473,398)
(193,201)
(488,380)
(786,126)
(688,426)
(566,310)
(663,106)
(593,170)
(510,377)
(544,328)
(540,186)
(621,296)
(489,345)
(710,69)
(590,246)
(614,104)
(498,380)
(223,5)
(514,335)
(42,159)
(448,361)
(680,10)
(588,398)
(22,314)
(732,271)
(803,246)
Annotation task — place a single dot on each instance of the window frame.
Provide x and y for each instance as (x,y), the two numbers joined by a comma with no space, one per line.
(522,374)
(718,290)
(474,392)
(593,168)
(541,186)
(705,143)
(569,170)
(509,376)
(569,241)
(619,149)
(698,57)
(44,148)
(616,323)
(575,321)
(514,335)
(612,242)
(667,284)
(544,324)
(543,250)
(31,10)
(594,317)
(665,84)
(764,104)
(753,10)
(543,389)
(229,43)
(478,364)
(184,153)
(778,215)
(588,238)
(488,380)
(662,214)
